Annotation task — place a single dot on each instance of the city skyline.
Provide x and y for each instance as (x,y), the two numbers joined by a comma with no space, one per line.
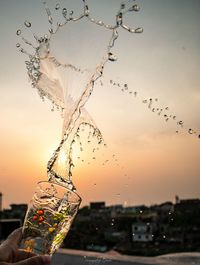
(154,163)
(91,204)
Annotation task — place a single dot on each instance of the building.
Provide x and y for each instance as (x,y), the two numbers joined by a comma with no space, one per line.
(115,210)
(97,205)
(187,204)
(16,211)
(134,209)
(1,195)
(142,232)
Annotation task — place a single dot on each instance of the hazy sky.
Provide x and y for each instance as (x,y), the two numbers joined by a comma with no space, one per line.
(155,163)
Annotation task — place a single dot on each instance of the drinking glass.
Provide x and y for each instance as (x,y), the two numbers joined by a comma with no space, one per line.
(49,217)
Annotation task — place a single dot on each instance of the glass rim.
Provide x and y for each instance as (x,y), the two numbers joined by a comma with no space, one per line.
(57,184)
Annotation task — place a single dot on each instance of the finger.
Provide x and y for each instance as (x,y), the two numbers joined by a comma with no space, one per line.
(38,260)
(14,238)
(21,255)
(9,247)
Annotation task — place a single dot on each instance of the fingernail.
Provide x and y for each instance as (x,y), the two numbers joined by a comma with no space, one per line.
(46,260)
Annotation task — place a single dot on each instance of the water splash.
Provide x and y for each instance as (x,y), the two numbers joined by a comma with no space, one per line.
(153,106)
(57,6)
(43,70)
(27,24)
(18,32)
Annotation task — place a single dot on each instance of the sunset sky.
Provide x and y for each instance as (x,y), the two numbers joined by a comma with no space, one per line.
(154,162)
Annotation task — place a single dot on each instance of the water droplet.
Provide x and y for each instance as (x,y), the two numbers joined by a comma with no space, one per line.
(57,6)
(27,24)
(139,30)
(126,27)
(112,57)
(180,123)
(135,8)
(36,65)
(190,131)
(119,19)
(131,30)
(86,11)
(18,32)
(17,45)
(100,23)
(64,12)
(50,19)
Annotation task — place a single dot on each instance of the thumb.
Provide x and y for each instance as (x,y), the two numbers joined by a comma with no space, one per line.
(10,245)
(14,238)
(38,260)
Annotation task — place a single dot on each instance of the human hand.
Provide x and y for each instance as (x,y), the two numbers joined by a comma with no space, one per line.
(9,252)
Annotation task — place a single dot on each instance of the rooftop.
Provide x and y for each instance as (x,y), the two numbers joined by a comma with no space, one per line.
(78,257)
